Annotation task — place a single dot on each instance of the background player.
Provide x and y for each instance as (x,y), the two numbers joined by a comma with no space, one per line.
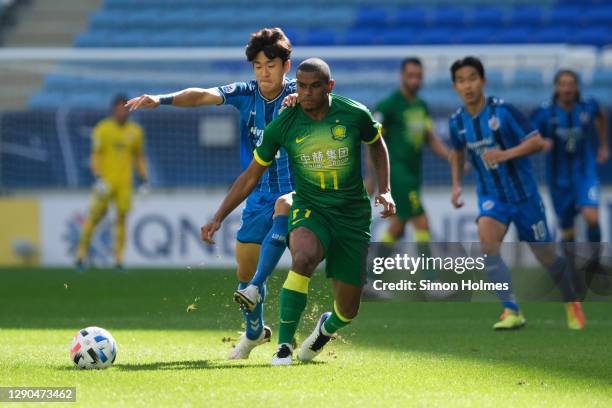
(331,211)
(498,138)
(117,147)
(407,125)
(569,124)
(264,219)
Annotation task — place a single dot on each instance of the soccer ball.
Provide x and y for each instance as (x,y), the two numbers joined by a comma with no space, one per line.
(93,347)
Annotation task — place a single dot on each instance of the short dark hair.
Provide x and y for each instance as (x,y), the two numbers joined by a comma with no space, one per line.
(468,61)
(119,99)
(571,73)
(272,41)
(316,65)
(411,60)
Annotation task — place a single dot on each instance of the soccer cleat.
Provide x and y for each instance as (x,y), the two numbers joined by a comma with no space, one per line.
(246,345)
(510,320)
(119,267)
(313,345)
(575,316)
(283,356)
(248,297)
(79,265)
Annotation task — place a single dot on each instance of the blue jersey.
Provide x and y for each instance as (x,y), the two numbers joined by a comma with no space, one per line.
(255,113)
(572,159)
(498,126)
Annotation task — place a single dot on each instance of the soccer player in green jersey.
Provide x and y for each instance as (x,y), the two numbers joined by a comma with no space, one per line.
(407,126)
(331,214)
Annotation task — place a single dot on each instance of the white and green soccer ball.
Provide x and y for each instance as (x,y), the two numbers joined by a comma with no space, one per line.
(93,347)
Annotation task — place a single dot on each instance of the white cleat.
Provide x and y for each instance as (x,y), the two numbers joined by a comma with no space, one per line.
(244,347)
(283,356)
(313,345)
(248,297)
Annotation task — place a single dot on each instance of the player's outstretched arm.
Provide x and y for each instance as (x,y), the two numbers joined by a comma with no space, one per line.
(457,163)
(187,98)
(380,160)
(242,187)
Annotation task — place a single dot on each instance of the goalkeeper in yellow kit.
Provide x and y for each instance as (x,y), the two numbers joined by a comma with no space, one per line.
(117,147)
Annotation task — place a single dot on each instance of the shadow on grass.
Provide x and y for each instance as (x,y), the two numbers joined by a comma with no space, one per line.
(196,365)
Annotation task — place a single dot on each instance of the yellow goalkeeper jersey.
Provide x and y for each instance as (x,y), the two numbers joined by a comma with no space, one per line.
(116,146)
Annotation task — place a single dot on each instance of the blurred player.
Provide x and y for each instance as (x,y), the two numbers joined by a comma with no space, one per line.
(569,124)
(331,213)
(498,138)
(406,126)
(261,239)
(117,148)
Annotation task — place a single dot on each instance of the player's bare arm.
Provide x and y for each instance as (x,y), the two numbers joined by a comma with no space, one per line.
(187,98)
(603,151)
(242,187)
(380,161)
(457,163)
(533,144)
(437,146)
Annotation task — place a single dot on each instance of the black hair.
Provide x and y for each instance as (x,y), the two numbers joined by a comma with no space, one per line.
(571,73)
(468,61)
(119,99)
(272,41)
(316,65)
(411,60)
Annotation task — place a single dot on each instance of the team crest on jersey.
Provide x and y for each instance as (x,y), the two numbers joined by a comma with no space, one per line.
(228,88)
(487,205)
(338,132)
(494,123)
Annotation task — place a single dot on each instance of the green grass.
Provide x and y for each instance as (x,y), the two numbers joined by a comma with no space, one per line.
(394,354)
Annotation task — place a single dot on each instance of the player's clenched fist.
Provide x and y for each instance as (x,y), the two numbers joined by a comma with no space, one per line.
(208,231)
(143,101)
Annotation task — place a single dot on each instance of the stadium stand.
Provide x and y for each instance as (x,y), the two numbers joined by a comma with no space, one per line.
(58,118)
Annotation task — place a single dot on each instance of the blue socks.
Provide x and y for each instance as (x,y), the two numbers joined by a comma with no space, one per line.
(272,249)
(498,272)
(254,321)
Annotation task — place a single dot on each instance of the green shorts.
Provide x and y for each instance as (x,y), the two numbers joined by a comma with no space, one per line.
(345,237)
(406,193)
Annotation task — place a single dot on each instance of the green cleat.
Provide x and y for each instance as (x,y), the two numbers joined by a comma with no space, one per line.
(510,320)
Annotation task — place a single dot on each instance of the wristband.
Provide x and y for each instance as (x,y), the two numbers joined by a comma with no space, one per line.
(166,99)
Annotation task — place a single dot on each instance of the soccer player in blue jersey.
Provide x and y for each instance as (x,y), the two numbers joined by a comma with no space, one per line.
(499,139)
(569,124)
(261,239)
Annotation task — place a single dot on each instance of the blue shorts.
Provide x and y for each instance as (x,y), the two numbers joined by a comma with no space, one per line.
(256,218)
(529,216)
(568,201)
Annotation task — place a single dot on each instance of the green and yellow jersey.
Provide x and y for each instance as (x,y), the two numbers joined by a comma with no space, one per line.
(325,155)
(405,127)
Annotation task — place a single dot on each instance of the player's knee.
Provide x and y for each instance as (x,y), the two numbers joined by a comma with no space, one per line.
(283,204)
(304,262)
(591,218)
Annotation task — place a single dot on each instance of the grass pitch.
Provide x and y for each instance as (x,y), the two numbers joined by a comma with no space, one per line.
(394,354)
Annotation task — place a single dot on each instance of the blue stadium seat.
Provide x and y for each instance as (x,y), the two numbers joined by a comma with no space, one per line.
(487,16)
(319,37)
(448,16)
(526,15)
(564,15)
(595,35)
(398,36)
(435,36)
(372,17)
(601,14)
(554,34)
(361,36)
(513,35)
(412,16)
(476,35)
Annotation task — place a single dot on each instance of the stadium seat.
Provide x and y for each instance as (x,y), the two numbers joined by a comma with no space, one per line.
(552,34)
(410,16)
(513,35)
(448,16)
(566,15)
(487,16)
(526,15)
